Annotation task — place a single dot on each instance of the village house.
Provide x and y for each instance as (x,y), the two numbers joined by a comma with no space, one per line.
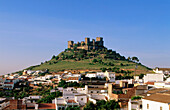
(135,104)
(158,101)
(70,77)
(2,80)
(4,103)
(10,83)
(153,77)
(91,75)
(71,97)
(162,70)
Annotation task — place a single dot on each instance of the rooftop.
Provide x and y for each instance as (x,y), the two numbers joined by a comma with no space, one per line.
(46,106)
(164,69)
(164,98)
(8,83)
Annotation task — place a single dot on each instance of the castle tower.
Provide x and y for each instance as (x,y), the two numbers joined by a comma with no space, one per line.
(70,44)
(78,43)
(87,40)
(100,41)
(93,40)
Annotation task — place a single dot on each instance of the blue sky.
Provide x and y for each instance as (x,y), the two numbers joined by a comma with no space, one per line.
(31,31)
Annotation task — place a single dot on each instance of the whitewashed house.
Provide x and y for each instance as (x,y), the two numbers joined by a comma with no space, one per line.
(152,77)
(72,77)
(110,76)
(162,70)
(4,103)
(158,101)
(91,75)
(101,74)
(2,83)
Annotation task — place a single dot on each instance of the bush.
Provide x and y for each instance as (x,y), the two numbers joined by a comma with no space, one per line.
(94,60)
(53,57)
(56,57)
(136,97)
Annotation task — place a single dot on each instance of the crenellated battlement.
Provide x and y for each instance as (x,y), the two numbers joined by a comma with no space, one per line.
(87,44)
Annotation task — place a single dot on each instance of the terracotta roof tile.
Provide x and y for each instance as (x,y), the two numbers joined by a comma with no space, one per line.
(71,101)
(46,106)
(8,83)
(164,98)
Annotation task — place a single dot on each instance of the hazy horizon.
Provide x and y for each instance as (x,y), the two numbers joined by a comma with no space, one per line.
(32,32)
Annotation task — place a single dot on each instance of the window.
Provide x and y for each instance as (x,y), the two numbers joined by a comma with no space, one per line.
(147,106)
(160,108)
(81,98)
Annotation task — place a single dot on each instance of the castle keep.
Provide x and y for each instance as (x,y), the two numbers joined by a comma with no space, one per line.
(87,44)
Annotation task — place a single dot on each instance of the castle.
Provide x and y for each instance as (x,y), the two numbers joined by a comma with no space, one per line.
(87,44)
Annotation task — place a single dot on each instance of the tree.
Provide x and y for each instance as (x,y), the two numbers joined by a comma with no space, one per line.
(100,104)
(58,94)
(135,59)
(94,60)
(121,64)
(61,83)
(53,57)
(136,97)
(103,69)
(89,106)
(56,57)
(141,76)
(129,58)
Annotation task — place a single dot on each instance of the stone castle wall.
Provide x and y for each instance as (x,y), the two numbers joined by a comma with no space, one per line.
(87,44)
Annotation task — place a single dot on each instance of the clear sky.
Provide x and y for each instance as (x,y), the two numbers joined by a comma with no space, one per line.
(31,31)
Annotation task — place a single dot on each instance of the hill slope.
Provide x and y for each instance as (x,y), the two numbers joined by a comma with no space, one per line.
(92,60)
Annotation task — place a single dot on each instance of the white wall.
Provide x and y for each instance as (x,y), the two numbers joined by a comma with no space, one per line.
(153,77)
(154,105)
(79,99)
(157,71)
(91,75)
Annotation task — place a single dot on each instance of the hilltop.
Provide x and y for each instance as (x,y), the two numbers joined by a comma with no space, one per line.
(98,58)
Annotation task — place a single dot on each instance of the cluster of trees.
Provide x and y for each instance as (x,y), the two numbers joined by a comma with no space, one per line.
(74,54)
(80,54)
(48,98)
(65,84)
(23,92)
(55,57)
(102,105)
(141,75)
(44,91)
(134,59)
